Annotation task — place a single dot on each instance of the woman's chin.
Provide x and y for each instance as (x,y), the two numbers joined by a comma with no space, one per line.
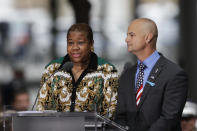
(77,61)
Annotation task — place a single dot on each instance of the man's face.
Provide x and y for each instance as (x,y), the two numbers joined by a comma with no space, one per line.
(78,47)
(21,102)
(135,38)
(188,124)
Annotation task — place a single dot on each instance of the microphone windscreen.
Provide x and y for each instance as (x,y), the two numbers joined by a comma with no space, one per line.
(67,66)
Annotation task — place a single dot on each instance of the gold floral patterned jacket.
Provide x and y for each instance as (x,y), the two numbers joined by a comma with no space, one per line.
(96,87)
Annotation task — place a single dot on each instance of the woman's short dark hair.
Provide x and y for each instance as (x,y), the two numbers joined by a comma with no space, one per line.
(82,27)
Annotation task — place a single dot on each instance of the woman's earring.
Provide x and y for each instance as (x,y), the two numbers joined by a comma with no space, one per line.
(92,49)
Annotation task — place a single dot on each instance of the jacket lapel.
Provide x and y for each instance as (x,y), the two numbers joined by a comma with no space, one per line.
(133,72)
(131,83)
(152,79)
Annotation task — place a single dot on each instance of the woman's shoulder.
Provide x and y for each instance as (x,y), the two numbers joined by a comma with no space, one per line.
(55,62)
(104,64)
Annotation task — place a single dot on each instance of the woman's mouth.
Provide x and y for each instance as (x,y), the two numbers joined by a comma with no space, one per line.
(76,55)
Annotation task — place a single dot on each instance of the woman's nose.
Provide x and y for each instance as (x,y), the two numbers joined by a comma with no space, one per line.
(75,46)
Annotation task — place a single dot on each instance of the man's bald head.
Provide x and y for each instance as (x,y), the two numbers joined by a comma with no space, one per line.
(141,37)
(146,26)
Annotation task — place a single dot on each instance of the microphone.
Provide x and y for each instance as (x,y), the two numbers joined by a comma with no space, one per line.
(65,67)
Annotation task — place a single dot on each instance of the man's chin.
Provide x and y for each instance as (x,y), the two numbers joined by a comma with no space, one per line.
(130,50)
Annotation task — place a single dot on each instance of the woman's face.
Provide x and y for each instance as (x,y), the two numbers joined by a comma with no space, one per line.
(78,47)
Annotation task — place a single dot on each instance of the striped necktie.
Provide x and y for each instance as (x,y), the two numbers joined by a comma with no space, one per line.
(139,83)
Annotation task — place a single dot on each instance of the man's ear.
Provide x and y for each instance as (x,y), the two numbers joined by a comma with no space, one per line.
(149,37)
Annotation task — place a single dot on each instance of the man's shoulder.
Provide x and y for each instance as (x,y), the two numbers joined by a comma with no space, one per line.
(128,70)
(55,61)
(130,67)
(171,66)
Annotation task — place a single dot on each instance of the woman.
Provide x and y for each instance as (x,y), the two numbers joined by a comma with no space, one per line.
(92,80)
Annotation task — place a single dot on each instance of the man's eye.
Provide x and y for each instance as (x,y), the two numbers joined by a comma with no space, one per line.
(131,34)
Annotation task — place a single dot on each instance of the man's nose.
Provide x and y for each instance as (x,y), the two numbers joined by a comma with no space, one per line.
(127,39)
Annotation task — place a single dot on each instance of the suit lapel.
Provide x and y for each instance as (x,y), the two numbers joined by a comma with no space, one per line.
(133,72)
(131,83)
(152,79)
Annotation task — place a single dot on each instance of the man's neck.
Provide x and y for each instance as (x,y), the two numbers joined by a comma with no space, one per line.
(145,54)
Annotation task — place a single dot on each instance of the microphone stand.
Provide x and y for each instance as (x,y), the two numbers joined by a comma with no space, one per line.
(104,123)
(40,89)
(35,99)
(110,122)
(103,126)
(66,67)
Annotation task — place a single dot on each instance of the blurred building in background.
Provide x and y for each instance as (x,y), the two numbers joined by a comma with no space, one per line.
(33,32)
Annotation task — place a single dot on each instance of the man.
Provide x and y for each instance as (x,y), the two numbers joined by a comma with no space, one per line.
(152,93)
(21,100)
(189,116)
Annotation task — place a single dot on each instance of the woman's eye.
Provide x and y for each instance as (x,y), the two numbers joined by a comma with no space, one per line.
(80,42)
(70,43)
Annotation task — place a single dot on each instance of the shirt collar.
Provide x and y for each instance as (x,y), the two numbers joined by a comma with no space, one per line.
(151,60)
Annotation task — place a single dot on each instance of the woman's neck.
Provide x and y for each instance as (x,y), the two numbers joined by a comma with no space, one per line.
(81,66)
(78,69)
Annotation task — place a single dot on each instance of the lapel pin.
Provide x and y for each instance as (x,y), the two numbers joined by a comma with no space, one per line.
(152,77)
(156,70)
